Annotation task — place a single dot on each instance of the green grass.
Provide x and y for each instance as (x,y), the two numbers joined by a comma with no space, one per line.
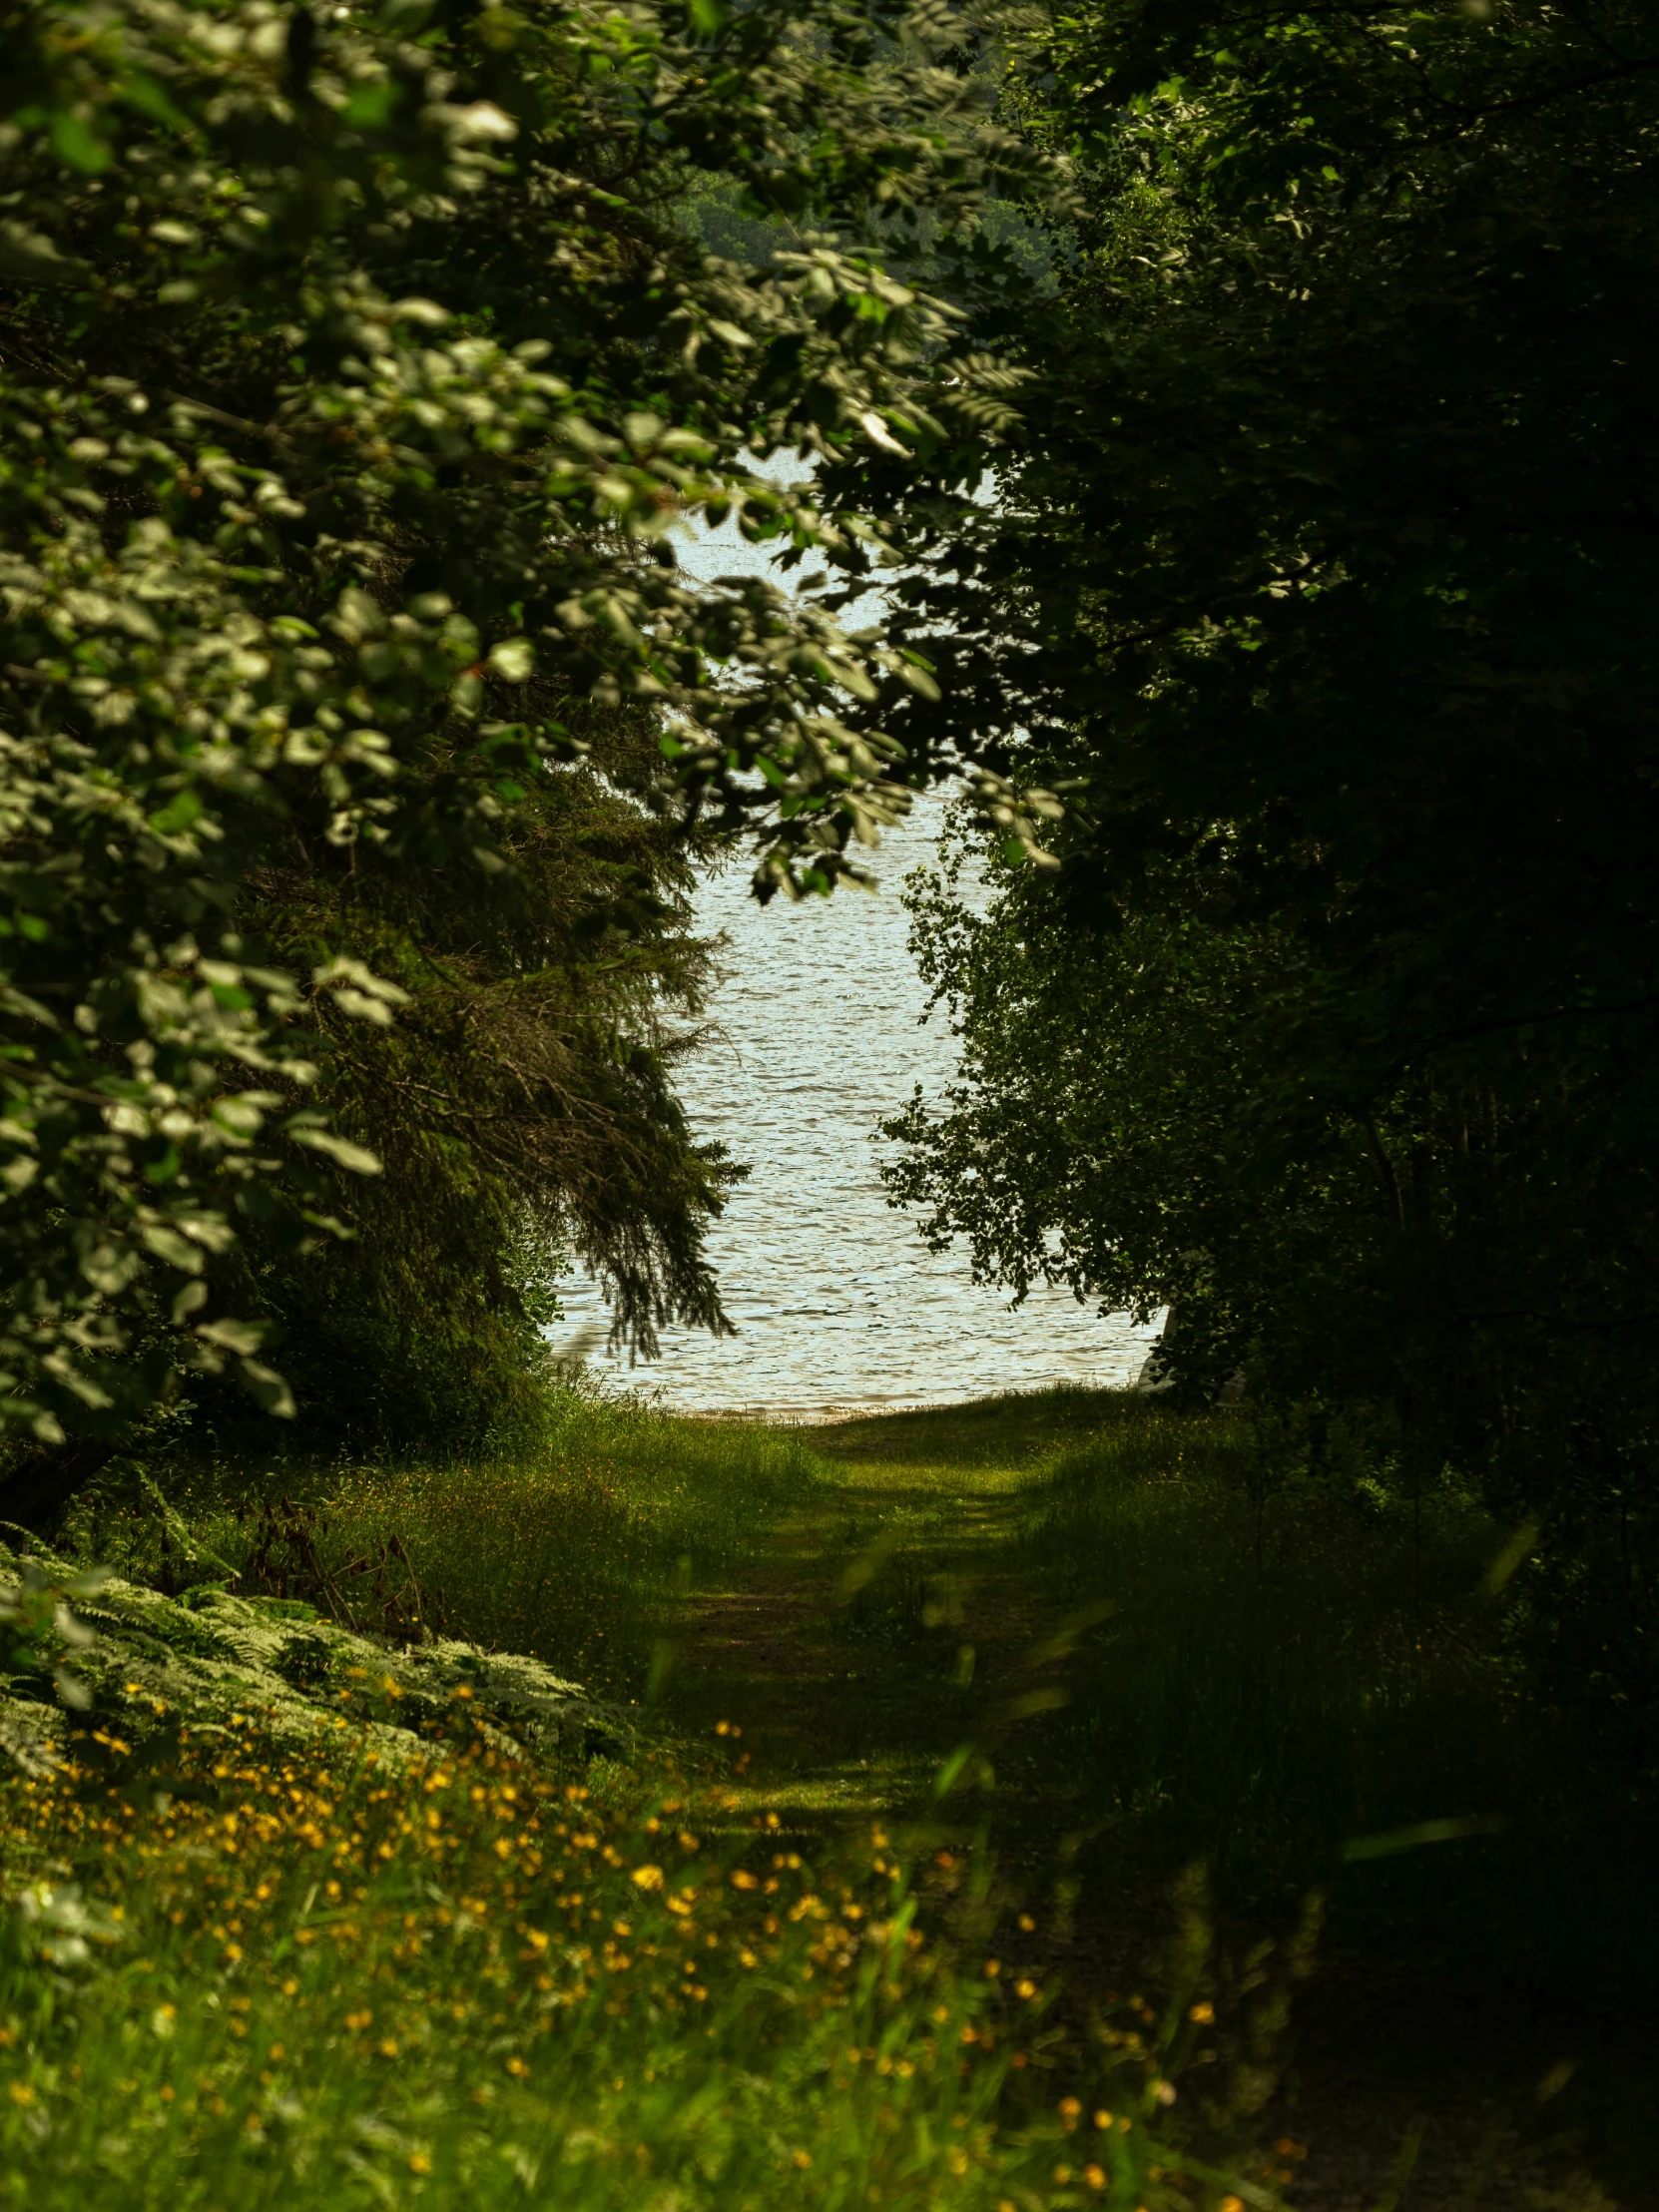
(1287,1693)
(1158,1660)
(1056,1649)
(1084,1611)
(580,1550)
(461,1985)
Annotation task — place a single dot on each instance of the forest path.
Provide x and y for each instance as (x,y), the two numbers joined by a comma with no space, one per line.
(892,1632)
(885,1625)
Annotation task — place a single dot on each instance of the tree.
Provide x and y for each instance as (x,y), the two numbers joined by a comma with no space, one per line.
(523,1106)
(1322,585)
(1089,1137)
(1099,1134)
(355,372)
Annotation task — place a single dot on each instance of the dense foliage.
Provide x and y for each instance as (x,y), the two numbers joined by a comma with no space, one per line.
(1324,584)
(354,375)
(523,1106)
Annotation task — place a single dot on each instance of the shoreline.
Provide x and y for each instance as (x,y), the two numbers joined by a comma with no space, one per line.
(850,1409)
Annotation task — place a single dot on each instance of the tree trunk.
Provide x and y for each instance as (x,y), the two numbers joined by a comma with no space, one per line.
(37,1490)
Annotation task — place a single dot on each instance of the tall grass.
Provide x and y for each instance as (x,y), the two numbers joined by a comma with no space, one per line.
(282,1984)
(461,1985)
(579,1548)
(1307,1682)
(282,1978)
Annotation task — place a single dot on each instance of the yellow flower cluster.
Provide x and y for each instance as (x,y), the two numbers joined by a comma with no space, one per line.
(416,1967)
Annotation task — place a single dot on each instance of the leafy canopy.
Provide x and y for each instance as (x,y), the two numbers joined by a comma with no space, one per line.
(356,371)
(1321,583)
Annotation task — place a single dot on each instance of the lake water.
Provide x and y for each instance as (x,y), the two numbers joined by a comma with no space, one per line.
(836,1302)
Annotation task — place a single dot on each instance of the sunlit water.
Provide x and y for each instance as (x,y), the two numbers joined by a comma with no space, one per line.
(836,1302)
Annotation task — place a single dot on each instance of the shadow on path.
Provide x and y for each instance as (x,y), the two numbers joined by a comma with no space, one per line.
(891,1634)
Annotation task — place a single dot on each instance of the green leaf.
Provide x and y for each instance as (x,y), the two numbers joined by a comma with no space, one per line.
(513,660)
(76,144)
(179,1252)
(268,1390)
(370,106)
(233,1336)
(355,1157)
(29,257)
(149,96)
(1399,1840)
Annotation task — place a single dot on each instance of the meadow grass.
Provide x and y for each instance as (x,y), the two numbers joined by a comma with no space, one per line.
(1313,1682)
(1270,1683)
(1136,1640)
(580,1546)
(284,1983)
(1179,1646)
(1164,1640)
(1001,1673)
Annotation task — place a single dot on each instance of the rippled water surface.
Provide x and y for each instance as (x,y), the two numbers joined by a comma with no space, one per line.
(836,1299)
(836,1302)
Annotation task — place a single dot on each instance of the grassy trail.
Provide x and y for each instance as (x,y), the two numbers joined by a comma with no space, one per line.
(1090,1641)
(891,1629)
(843,1656)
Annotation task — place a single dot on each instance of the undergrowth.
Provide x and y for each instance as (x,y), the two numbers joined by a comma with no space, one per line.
(1117,1638)
(1312,1676)
(579,1550)
(1216,1636)
(279,1981)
